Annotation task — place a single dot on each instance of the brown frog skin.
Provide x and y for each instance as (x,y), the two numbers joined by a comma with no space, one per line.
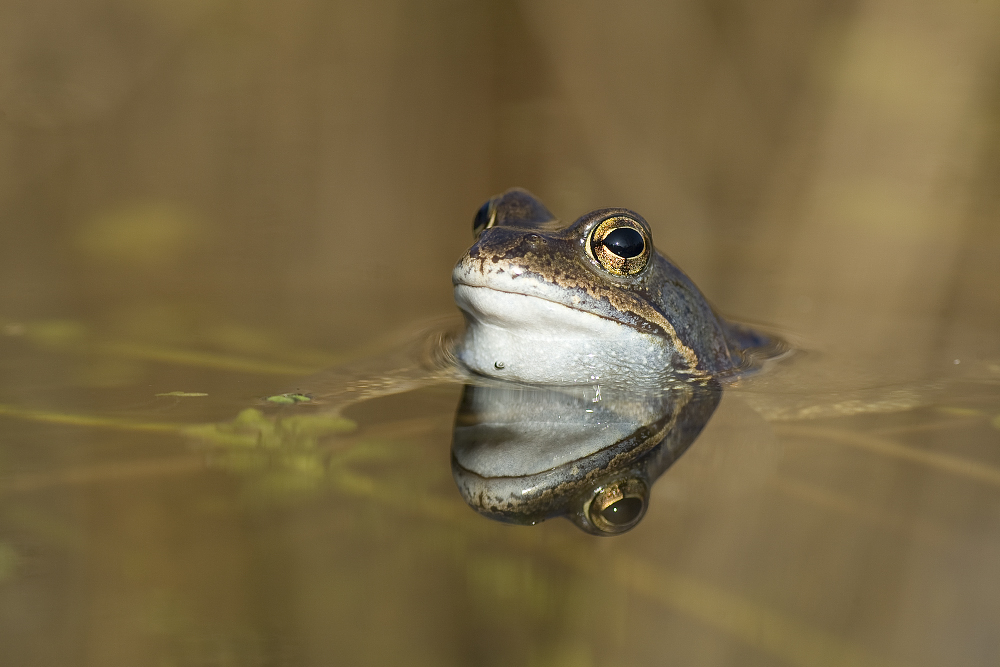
(584,303)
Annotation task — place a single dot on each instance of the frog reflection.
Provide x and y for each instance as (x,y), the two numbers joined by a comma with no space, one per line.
(525,454)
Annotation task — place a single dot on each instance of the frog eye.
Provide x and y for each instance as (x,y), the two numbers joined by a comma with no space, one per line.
(485,218)
(621,246)
(619,506)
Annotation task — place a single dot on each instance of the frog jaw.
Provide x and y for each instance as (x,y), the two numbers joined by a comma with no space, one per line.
(527,338)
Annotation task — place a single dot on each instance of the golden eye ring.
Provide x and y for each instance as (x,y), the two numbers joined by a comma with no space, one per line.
(618,506)
(621,246)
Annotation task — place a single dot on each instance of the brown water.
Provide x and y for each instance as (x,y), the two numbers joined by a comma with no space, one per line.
(218,198)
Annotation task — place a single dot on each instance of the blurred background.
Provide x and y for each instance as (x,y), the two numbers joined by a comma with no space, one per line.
(218,196)
(315,165)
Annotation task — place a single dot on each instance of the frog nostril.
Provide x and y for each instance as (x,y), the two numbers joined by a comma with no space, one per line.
(533,239)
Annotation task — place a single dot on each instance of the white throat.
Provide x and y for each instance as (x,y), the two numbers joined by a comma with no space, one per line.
(528,339)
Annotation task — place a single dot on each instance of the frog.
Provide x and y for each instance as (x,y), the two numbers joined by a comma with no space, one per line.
(552,304)
(590,361)
(592,301)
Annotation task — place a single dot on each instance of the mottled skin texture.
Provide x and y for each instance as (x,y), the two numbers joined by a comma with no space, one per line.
(528,242)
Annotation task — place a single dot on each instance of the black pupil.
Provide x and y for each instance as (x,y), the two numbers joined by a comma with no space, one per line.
(624,242)
(482,217)
(623,511)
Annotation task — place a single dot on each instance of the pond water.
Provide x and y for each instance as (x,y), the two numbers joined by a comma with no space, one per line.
(203,204)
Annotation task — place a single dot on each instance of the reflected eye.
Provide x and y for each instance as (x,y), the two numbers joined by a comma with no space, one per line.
(621,246)
(623,511)
(485,217)
(618,506)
